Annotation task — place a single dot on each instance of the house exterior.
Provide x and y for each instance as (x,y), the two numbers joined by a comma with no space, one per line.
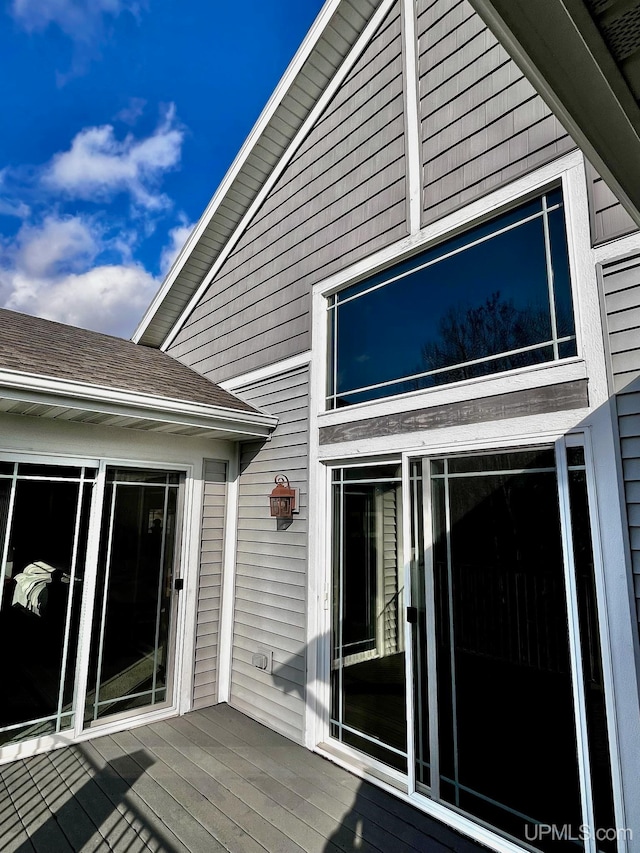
(415,299)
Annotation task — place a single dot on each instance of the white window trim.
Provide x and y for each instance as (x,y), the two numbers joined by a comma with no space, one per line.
(570,172)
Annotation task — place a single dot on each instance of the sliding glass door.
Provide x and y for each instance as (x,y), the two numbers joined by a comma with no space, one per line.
(50,576)
(131,645)
(507,697)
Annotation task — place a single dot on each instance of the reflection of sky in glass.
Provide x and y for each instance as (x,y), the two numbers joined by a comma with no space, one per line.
(392,332)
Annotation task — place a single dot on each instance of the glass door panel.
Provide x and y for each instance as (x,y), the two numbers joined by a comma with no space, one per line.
(494,704)
(368,696)
(130,661)
(505,700)
(44,519)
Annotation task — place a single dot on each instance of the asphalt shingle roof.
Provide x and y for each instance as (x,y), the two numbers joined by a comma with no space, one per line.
(45,348)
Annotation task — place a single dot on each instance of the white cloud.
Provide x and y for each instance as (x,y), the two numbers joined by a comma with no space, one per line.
(98,166)
(48,271)
(108,298)
(132,112)
(11,207)
(79,19)
(57,245)
(177,238)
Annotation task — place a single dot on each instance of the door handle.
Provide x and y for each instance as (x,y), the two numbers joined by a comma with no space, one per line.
(412,615)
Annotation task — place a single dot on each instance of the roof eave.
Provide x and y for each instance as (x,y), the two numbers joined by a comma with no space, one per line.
(559,48)
(57,398)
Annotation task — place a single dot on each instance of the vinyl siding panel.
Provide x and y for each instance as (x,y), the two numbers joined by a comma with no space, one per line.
(621,283)
(271,562)
(483,124)
(341,197)
(608,217)
(205,685)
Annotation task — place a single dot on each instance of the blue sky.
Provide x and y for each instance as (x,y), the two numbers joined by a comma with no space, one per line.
(120,118)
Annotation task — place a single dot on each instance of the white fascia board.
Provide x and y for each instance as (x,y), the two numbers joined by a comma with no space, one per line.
(559,48)
(268,372)
(298,61)
(78,395)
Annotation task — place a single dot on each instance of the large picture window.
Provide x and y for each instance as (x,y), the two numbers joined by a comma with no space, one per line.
(495,298)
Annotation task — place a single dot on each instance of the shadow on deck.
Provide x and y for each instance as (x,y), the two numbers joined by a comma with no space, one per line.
(211,781)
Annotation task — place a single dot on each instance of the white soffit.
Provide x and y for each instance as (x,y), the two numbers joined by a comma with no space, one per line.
(329,41)
(563,51)
(51,399)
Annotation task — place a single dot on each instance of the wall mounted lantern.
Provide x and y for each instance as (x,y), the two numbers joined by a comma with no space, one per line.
(282,499)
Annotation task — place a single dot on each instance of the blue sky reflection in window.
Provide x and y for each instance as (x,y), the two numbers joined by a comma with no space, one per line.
(493,299)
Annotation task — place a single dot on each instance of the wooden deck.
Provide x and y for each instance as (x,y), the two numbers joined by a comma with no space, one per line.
(211,781)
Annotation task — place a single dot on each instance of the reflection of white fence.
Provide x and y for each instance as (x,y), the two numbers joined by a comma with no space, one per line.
(389,628)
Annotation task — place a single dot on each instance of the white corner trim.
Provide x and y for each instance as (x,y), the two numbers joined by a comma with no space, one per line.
(319,107)
(617,250)
(262,373)
(225,637)
(412,116)
(289,76)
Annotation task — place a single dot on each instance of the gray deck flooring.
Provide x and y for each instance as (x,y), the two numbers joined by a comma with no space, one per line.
(210,781)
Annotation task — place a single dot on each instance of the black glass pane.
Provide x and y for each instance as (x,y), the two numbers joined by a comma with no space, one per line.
(38,598)
(516,461)
(463,310)
(554,197)
(561,279)
(139,475)
(128,668)
(379,472)
(597,734)
(486,229)
(66,471)
(489,299)
(7,468)
(504,679)
(575,456)
(368,697)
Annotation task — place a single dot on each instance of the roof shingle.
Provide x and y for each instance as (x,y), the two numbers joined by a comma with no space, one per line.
(46,348)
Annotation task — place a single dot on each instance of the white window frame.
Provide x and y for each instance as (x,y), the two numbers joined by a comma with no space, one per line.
(567,171)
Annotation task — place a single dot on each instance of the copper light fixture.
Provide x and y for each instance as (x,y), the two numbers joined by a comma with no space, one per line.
(282,499)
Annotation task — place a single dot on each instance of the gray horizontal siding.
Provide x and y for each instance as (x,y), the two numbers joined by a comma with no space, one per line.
(621,283)
(608,217)
(341,197)
(271,563)
(205,684)
(483,124)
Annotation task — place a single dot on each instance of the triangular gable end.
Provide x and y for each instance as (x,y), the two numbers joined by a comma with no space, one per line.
(341,196)
(344,192)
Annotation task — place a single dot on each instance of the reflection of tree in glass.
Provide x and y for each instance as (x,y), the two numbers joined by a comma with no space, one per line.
(495,326)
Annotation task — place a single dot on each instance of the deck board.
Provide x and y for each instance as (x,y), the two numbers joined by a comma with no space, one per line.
(213,781)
